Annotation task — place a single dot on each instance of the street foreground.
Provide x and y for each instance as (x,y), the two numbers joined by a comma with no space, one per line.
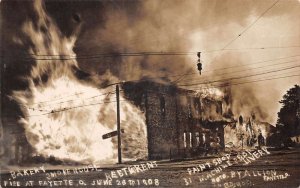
(249,168)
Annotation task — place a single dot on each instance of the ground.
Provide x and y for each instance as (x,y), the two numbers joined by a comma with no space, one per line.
(282,165)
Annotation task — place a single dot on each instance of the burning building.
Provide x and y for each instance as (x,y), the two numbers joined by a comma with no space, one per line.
(180,123)
(249,134)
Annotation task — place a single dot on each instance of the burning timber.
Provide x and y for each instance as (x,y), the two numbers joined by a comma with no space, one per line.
(180,123)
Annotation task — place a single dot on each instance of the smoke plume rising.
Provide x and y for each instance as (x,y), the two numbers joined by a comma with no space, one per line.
(78,28)
(172,26)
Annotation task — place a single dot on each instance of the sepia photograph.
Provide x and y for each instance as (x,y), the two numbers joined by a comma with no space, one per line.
(150,93)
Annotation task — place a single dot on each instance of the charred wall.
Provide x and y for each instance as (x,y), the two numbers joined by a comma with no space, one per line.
(179,124)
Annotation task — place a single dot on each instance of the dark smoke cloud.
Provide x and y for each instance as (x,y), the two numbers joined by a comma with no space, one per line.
(133,26)
(156,26)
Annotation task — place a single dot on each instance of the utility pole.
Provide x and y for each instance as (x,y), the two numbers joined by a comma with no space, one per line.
(118,124)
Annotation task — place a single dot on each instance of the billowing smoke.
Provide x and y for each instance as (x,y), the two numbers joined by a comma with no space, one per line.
(180,26)
(96,27)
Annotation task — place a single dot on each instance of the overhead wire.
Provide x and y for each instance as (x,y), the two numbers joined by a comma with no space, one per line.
(285,73)
(222,80)
(131,54)
(238,71)
(217,69)
(245,29)
(63,97)
(213,86)
(51,104)
(80,99)
(246,82)
(73,107)
(181,76)
(234,78)
(249,26)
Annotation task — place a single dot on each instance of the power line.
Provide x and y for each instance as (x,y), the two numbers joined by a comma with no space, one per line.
(218,69)
(37,108)
(246,29)
(241,77)
(262,48)
(132,54)
(57,99)
(249,26)
(252,81)
(100,55)
(253,63)
(235,66)
(225,79)
(213,86)
(162,77)
(222,85)
(189,74)
(107,93)
(250,48)
(234,78)
(280,74)
(70,108)
(67,101)
(239,71)
(50,101)
(181,75)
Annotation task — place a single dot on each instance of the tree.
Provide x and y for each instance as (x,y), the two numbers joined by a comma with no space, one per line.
(289,115)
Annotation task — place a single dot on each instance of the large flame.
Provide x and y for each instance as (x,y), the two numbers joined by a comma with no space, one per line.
(67,120)
(66,117)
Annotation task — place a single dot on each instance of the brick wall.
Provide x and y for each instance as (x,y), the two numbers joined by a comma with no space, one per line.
(176,119)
